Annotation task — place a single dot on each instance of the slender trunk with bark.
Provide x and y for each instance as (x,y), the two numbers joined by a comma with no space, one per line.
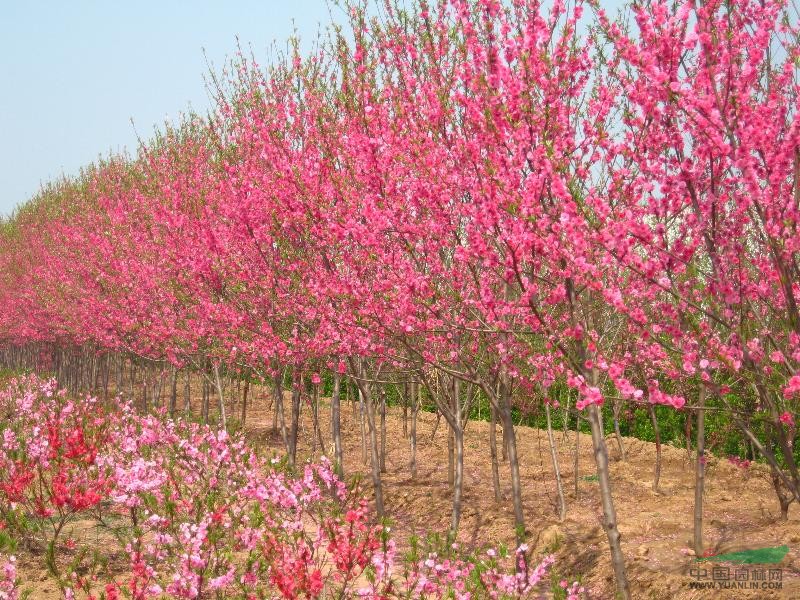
(503,401)
(562,505)
(413,440)
(700,474)
(245,392)
(405,410)
(277,393)
(173,399)
(187,394)
(607,500)
(295,424)
(336,425)
(368,403)
(618,435)
(493,452)
(362,426)
(222,416)
(657,432)
(383,430)
(577,451)
(458,446)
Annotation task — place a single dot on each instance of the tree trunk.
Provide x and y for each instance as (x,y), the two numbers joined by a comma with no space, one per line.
(383,430)
(245,392)
(367,402)
(784,500)
(374,458)
(317,433)
(362,417)
(187,394)
(451,457)
(277,393)
(562,506)
(336,425)
(503,402)
(493,452)
(222,416)
(205,399)
(414,410)
(295,420)
(405,410)
(173,399)
(687,431)
(577,451)
(700,474)
(609,513)
(620,443)
(657,470)
(458,473)
(458,479)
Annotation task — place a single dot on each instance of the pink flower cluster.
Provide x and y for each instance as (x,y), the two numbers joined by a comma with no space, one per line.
(198,512)
(742,463)
(8,578)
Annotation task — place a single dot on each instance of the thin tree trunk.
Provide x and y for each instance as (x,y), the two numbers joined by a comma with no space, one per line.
(510,443)
(493,451)
(366,399)
(609,513)
(187,394)
(383,430)
(317,433)
(245,392)
(414,411)
(657,432)
(336,425)
(295,420)
(106,375)
(120,374)
(222,416)
(562,506)
(784,500)
(173,399)
(374,458)
(362,416)
(577,451)
(458,475)
(451,457)
(700,474)
(618,435)
(131,382)
(205,399)
(277,392)
(405,409)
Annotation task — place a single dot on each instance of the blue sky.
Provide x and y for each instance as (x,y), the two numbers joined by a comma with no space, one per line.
(74,74)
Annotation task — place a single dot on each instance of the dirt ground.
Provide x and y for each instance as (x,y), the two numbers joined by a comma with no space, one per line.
(741,511)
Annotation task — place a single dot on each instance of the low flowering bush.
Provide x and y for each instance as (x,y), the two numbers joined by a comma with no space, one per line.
(198,514)
(573,591)
(50,475)
(8,578)
(737,461)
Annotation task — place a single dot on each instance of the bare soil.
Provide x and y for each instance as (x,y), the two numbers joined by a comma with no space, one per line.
(741,511)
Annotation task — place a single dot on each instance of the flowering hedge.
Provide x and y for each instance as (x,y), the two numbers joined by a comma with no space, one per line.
(196,514)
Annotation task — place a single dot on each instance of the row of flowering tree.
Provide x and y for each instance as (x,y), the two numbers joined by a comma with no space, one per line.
(463,198)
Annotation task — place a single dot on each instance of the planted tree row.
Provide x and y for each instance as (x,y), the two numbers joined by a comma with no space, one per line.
(460,198)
